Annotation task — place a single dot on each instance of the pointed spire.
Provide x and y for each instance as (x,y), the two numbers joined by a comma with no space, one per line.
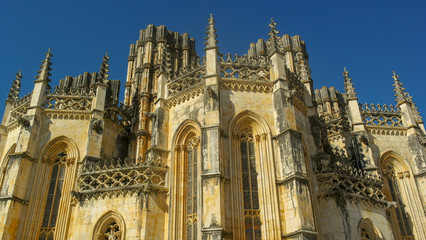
(15,89)
(400,94)
(211,40)
(403,96)
(274,39)
(44,72)
(349,86)
(104,69)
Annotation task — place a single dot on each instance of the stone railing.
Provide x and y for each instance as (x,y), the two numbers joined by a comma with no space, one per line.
(334,176)
(186,81)
(23,100)
(119,177)
(381,115)
(20,108)
(74,91)
(69,102)
(244,67)
(119,114)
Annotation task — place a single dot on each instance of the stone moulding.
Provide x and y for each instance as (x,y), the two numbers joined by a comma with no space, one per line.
(388,131)
(67,115)
(249,86)
(14,199)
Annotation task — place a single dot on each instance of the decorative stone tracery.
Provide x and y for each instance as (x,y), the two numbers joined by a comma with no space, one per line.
(110,226)
(61,154)
(184,185)
(249,214)
(405,215)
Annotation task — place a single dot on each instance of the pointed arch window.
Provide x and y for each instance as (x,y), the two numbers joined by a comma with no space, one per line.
(252,223)
(111,232)
(398,215)
(7,164)
(50,215)
(109,227)
(192,189)
(367,230)
(185,183)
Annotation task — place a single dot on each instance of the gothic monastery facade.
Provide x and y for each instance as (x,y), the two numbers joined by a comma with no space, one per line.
(217,147)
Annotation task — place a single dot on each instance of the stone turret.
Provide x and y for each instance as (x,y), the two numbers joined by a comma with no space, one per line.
(146,52)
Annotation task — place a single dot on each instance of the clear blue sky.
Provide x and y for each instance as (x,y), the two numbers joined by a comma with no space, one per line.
(371,38)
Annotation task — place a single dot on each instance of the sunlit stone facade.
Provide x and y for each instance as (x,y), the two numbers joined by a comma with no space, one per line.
(217,147)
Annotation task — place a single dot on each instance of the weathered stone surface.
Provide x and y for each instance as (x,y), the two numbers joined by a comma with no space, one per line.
(227,147)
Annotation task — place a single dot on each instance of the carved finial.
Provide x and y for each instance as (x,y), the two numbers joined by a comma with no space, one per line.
(44,72)
(274,39)
(211,40)
(274,32)
(15,89)
(400,94)
(349,86)
(104,69)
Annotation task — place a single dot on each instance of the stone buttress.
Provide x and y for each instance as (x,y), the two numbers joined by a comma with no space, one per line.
(222,147)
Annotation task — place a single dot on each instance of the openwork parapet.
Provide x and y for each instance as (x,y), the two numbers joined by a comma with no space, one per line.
(381,115)
(119,177)
(68,103)
(335,177)
(244,67)
(120,114)
(186,81)
(20,107)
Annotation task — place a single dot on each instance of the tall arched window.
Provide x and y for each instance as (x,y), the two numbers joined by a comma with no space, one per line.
(398,214)
(50,215)
(254,194)
(5,167)
(184,185)
(407,214)
(191,189)
(55,174)
(252,223)
(367,230)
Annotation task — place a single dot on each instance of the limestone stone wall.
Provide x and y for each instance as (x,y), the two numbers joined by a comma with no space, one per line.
(341,220)
(114,141)
(87,213)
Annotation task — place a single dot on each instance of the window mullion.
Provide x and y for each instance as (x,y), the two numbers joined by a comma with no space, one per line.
(53,196)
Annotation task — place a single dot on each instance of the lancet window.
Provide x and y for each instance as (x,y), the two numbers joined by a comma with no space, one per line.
(4,181)
(252,223)
(185,183)
(48,225)
(398,214)
(192,189)
(367,231)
